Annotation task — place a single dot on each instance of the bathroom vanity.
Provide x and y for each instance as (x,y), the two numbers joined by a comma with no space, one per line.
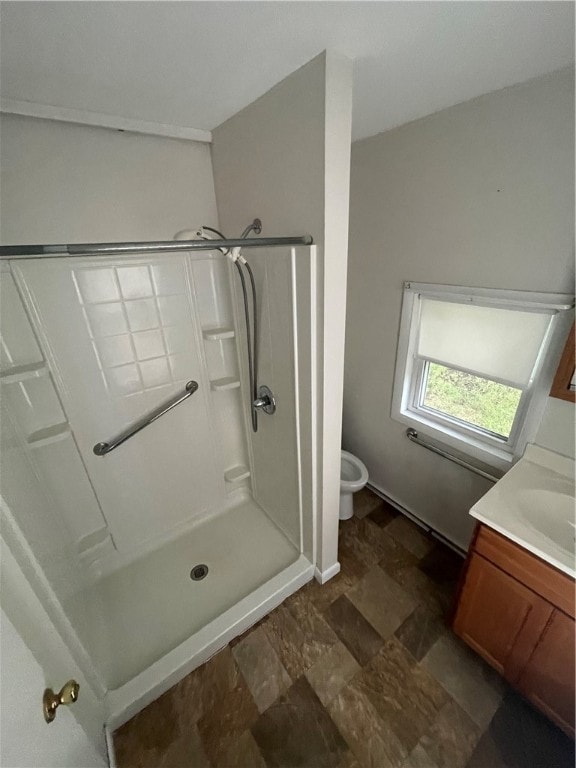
(515,606)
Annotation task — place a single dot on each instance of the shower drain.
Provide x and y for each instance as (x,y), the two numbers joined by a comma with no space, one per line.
(199,572)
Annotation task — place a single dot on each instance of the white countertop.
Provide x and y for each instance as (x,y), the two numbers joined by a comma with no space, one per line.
(534,505)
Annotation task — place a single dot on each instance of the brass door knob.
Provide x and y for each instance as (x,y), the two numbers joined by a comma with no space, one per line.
(51,701)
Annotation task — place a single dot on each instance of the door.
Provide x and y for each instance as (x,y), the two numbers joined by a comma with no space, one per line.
(121,337)
(548,679)
(33,657)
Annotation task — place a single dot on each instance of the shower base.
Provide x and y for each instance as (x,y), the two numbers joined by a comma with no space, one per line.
(147,625)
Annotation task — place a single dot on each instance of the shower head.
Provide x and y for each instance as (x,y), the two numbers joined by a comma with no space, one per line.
(202,233)
(209,233)
(234,254)
(190,234)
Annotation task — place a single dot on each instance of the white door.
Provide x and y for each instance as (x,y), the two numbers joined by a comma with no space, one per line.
(75,739)
(122,337)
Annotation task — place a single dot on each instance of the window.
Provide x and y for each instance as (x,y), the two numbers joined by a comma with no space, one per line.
(473,400)
(474,365)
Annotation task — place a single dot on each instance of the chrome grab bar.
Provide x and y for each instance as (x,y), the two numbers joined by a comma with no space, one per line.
(101,449)
(411,434)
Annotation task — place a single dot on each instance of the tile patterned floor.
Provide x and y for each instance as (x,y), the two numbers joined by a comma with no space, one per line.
(359,673)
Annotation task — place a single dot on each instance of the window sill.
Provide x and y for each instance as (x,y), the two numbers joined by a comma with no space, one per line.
(492,456)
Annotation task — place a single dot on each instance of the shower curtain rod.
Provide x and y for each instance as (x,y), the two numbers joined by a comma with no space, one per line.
(93,249)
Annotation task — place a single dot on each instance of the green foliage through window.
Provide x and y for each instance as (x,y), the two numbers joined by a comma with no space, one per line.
(481,402)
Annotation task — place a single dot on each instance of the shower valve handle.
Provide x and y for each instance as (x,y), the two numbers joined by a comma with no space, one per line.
(265,400)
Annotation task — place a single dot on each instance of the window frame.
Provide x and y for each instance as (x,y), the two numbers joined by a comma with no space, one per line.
(410,372)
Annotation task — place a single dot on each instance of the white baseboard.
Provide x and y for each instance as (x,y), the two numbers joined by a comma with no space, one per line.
(110,747)
(399,507)
(323,576)
(415,519)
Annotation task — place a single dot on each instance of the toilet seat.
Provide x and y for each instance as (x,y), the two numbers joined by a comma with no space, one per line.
(353,473)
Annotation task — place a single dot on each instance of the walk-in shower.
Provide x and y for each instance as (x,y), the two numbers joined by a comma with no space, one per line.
(158,521)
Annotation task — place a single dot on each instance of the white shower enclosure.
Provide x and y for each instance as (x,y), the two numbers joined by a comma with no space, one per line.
(91,344)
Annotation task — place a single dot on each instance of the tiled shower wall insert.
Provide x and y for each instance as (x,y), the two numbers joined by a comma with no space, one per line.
(121,336)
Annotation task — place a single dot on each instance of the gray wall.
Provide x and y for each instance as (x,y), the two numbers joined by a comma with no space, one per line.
(75,183)
(286,159)
(481,194)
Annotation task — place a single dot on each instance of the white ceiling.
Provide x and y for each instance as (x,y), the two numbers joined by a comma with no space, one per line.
(195,64)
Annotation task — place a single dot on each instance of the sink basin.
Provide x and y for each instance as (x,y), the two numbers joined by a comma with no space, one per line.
(534,506)
(551,514)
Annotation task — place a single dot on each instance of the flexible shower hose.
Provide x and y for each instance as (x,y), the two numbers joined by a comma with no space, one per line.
(252,345)
(251,338)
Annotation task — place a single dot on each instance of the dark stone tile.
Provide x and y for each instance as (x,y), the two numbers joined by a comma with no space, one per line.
(235,750)
(405,696)
(261,669)
(524,738)
(142,743)
(151,732)
(452,738)
(382,602)
(362,539)
(472,683)
(436,598)
(165,729)
(419,758)
(420,631)
(414,538)
(354,631)
(323,595)
(229,718)
(216,678)
(486,754)
(309,618)
(299,643)
(297,731)
(349,761)
(395,556)
(365,501)
(229,708)
(244,635)
(369,737)
(351,568)
(334,670)
(185,751)
(383,514)
(442,565)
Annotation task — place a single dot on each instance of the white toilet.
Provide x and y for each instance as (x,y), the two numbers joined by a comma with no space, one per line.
(353,477)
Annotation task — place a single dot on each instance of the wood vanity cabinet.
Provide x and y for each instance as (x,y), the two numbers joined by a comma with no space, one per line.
(517,612)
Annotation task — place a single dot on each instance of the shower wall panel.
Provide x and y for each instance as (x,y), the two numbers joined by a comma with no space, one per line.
(215,311)
(33,511)
(275,458)
(122,336)
(45,486)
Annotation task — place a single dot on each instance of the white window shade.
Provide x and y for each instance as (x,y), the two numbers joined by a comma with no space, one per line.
(489,341)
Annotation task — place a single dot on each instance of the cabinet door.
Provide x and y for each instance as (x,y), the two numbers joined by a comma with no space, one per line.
(499,618)
(548,679)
